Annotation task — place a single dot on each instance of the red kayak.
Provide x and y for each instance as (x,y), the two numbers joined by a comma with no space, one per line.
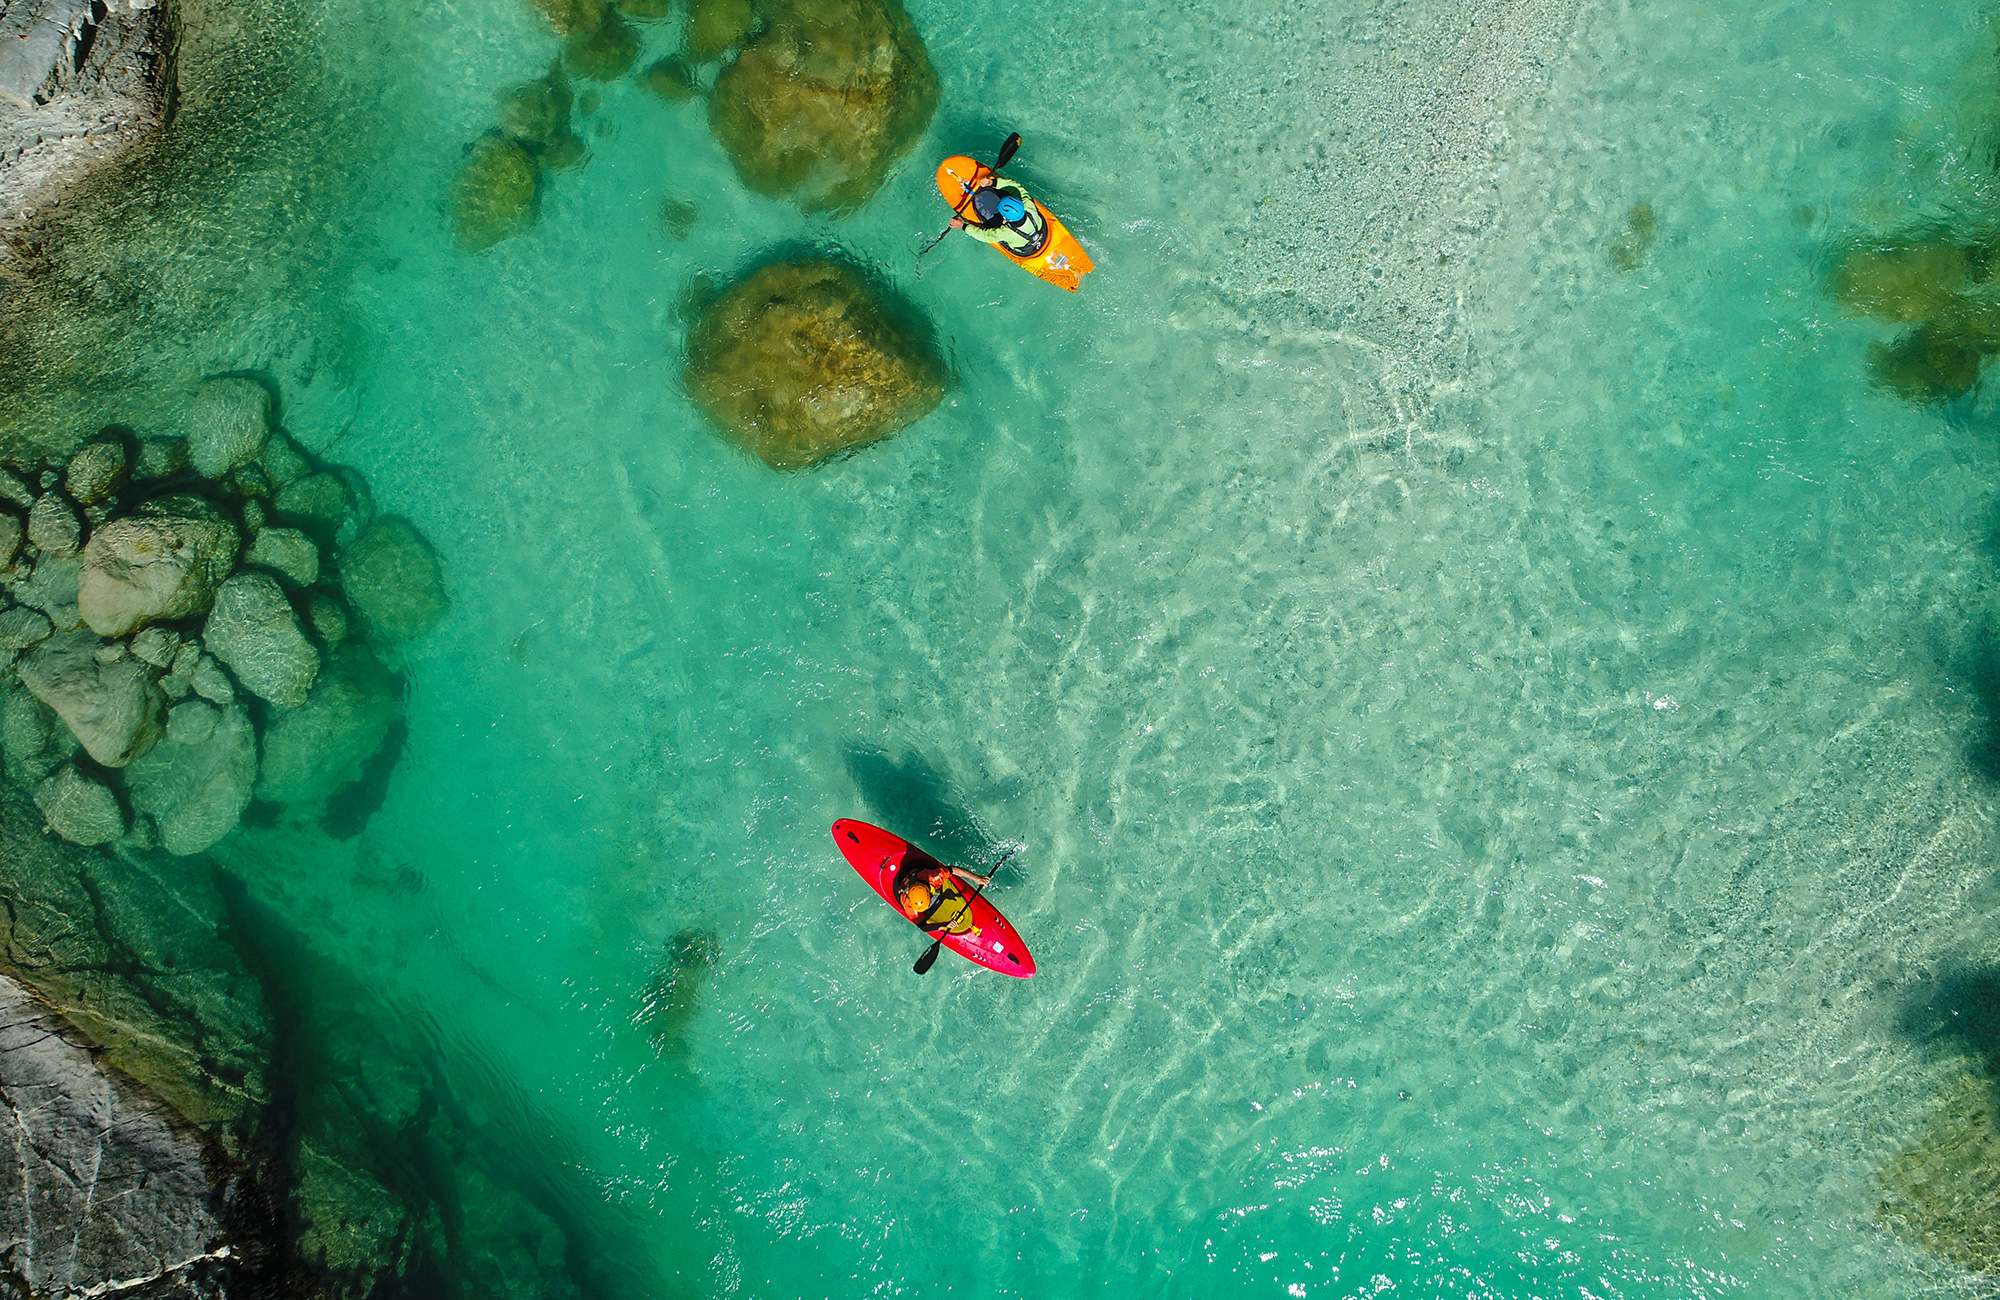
(877,855)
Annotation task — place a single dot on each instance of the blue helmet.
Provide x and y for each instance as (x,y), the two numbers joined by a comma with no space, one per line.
(1011,209)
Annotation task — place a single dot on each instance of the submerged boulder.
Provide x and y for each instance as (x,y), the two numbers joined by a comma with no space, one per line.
(54,527)
(392,579)
(605,52)
(313,750)
(823,100)
(228,426)
(288,551)
(254,632)
(79,809)
(493,198)
(196,792)
(113,709)
(1904,282)
(163,563)
(96,471)
(1931,364)
(715,25)
(798,362)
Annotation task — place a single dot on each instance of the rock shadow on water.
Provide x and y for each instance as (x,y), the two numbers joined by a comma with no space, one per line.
(912,798)
(669,1003)
(807,357)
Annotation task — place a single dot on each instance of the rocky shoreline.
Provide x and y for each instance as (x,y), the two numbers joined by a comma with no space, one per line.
(80,83)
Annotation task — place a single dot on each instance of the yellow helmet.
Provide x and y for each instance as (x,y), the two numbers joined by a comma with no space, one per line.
(917,897)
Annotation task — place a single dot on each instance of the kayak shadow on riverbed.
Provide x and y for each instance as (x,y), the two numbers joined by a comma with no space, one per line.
(910,797)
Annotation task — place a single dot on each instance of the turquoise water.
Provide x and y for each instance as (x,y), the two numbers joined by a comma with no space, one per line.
(1493,740)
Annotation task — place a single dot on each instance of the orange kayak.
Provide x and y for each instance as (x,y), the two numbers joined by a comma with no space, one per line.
(1061,260)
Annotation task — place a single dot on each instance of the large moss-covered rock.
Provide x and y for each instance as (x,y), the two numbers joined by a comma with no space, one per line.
(800,361)
(493,198)
(392,579)
(823,100)
(604,53)
(163,563)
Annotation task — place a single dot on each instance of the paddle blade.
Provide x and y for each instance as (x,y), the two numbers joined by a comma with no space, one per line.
(929,959)
(1008,150)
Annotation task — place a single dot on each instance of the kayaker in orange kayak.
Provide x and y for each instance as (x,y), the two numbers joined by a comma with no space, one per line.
(1001,212)
(929,894)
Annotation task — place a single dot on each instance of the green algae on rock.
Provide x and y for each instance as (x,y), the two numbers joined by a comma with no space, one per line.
(672,79)
(799,361)
(494,195)
(1931,364)
(714,27)
(667,1006)
(605,52)
(1943,1193)
(1629,248)
(819,104)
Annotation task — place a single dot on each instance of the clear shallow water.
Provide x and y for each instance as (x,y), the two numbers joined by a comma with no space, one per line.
(1490,776)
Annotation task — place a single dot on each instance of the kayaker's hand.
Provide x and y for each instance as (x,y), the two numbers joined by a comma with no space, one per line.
(958,223)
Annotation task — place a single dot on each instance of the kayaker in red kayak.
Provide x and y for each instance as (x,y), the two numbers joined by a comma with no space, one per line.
(929,894)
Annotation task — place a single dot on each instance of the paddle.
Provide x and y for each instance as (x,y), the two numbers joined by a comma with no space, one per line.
(929,959)
(1008,148)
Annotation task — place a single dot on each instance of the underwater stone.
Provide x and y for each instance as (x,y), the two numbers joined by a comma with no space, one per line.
(328,618)
(1931,364)
(798,362)
(392,579)
(250,481)
(563,154)
(290,552)
(667,1007)
(513,1250)
(196,793)
(161,457)
(79,809)
(1902,282)
(27,726)
(253,631)
(351,1228)
(192,722)
(283,461)
(677,218)
(321,499)
(313,750)
(12,530)
(110,652)
(14,490)
(645,9)
(604,53)
(163,563)
(54,527)
(819,105)
(95,472)
(1943,1193)
(494,196)
(22,627)
(210,682)
(52,586)
(715,25)
(537,114)
(228,425)
(571,16)
(253,515)
(672,79)
(156,646)
(1629,248)
(112,709)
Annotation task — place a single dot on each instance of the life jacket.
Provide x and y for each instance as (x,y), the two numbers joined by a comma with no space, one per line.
(942,893)
(984,222)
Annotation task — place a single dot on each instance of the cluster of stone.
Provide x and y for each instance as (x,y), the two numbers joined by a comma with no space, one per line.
(498,189)
(186,624)
(1938,285)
